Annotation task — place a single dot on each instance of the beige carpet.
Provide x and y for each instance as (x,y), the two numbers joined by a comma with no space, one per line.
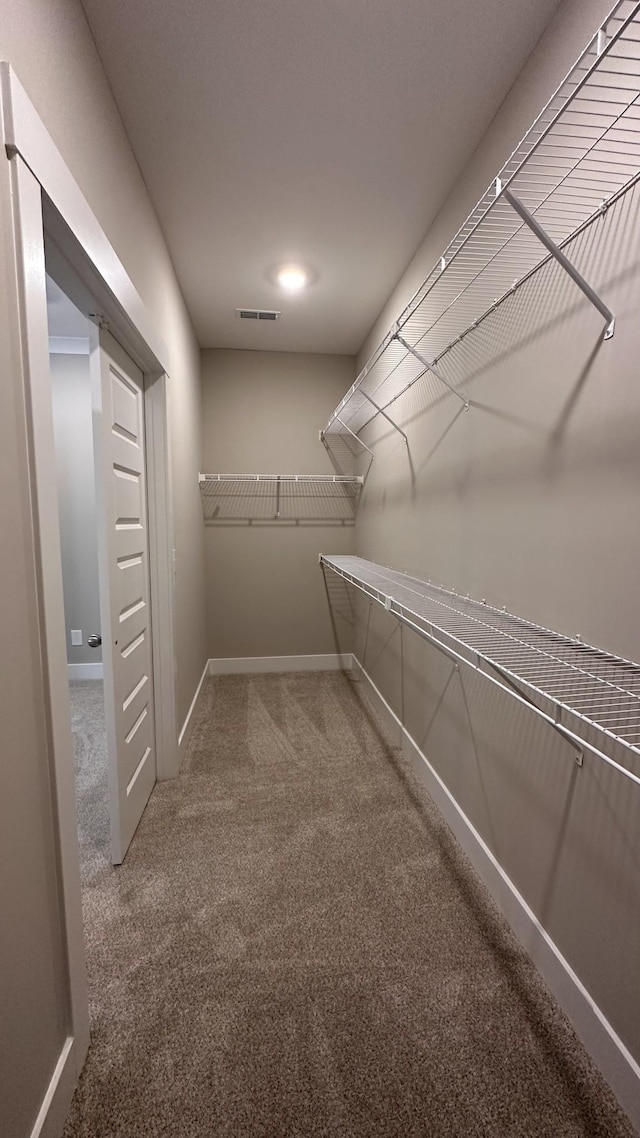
(296,946)
(89,744)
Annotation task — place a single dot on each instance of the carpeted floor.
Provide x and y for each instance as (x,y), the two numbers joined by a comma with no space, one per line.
(295,946)
(89,744)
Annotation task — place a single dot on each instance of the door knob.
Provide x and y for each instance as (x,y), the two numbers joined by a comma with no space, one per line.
(94,641)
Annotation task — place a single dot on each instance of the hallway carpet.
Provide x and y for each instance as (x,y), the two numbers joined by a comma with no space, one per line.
(296,946)
(89,745)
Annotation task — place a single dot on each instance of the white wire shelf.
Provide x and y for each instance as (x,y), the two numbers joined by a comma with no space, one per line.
(279,497)
(586,687)
(579,155)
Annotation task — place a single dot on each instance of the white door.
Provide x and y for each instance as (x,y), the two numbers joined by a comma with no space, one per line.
(118,427)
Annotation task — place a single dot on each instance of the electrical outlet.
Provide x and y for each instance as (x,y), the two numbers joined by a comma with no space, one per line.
(76,637)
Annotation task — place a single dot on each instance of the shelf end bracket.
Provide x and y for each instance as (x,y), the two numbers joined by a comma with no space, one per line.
(354,435)
(578,753)
(381,411)
(556,252)
(431,367)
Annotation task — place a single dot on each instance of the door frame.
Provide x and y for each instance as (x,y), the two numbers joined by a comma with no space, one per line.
(47,203)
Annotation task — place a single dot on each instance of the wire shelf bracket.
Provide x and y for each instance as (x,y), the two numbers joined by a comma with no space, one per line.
(558,256)
(589,692)
(430,366)
(381,411)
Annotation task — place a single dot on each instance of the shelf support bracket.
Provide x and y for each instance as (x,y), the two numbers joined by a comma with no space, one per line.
(353,434)
(578,753)
(380,411)
(562,260)
(430,367)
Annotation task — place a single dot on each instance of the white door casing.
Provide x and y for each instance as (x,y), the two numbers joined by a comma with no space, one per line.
(63,212)
(123,539)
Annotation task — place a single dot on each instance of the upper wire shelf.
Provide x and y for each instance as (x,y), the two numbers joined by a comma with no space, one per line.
(579,155)
(583,683)
(279,497)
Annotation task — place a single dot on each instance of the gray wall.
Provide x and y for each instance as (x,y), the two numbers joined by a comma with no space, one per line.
(33,1023)
(262,414)
(49,44)
(72,415)
(529,500)
(78,109)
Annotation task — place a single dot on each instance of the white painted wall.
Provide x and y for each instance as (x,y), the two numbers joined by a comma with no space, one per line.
(72,417)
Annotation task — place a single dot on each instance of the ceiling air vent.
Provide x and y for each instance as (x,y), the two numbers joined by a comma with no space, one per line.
(256,314)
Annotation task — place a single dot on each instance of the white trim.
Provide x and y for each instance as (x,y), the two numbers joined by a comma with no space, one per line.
(161,573)
(45,196)
(89,263)
(187,726)
(232,666)
(606,1048)
(68,345)
(30,269)
(93,671)
(26,134)
(57,1100)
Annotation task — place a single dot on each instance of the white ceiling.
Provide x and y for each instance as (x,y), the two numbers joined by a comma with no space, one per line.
(326,131)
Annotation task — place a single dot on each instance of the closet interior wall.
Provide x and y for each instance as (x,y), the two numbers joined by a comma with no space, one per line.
(262,413)
(530,501)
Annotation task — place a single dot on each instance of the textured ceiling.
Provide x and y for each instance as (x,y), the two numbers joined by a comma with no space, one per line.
(326,131)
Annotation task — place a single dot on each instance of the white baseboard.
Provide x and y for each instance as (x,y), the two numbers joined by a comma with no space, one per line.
(57,1100)
(328,662)
(85,671)
(607,1050)
(187,726)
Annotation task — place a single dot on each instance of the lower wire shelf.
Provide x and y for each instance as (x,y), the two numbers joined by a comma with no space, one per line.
(586,687)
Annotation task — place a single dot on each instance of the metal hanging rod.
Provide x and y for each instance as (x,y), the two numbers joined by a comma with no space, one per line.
(580,154)
(587,688)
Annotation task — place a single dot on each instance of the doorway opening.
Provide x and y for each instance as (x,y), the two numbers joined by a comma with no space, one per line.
(97,399)
(46,208)
(71,398)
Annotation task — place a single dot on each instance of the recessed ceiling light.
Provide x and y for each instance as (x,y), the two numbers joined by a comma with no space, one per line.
(292,278)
